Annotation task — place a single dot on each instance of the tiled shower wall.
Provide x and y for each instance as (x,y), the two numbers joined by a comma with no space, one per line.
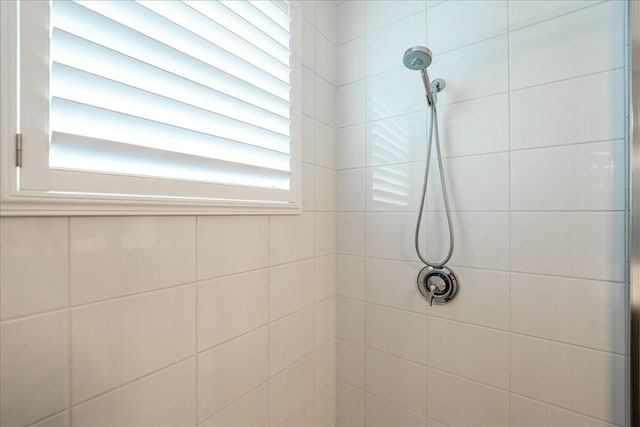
(532,125)
(211,320)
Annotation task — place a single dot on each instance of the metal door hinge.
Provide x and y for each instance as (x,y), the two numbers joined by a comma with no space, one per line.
(19,150)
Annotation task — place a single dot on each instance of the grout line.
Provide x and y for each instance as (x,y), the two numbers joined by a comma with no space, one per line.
(566,79)
(472,325)
(139,294)
(243,334)
(268,324)
(150,291)
(483,211)
(132,381)
(581,414)
(295,411)
(264,383)
(511,30)
(69,325)
(510,232)
(53,415)
(417,262)
(476,98)
(385,399)
(388,24)
(487,153)
(364,340)
(197,286)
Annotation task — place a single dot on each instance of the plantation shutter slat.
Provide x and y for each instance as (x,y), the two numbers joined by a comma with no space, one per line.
(177,90)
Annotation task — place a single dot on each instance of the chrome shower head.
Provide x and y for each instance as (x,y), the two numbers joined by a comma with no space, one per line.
(417,58)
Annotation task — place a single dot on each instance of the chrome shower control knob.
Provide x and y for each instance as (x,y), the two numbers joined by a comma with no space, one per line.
(437,284)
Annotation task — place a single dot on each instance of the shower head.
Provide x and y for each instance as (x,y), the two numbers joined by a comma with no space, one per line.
(417,58)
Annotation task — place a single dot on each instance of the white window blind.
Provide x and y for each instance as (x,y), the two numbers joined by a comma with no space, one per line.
(161,99)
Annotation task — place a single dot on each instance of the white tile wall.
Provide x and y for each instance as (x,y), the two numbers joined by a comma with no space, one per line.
(183,321)
(231,306)
(526,412)
(166,398)
(289,339)
(527,12)
(483,239)
(351,367)
(290,389)
(35,265)
(546,370)
(581,244)
(532,132)
(351,20)
(381,332)
(115,342)
(397,380)
(384,47)
(580,43)
(485,71)
(451,344)
(468,179)
(593,317)
(230,370)
(382,413)
(34,368)
(237,315)
(473,21)
(350,147)
(583,177)
(349,404)
(251,410)
(351,272)
(379,14)
(290,288)
(231,245)
(572,117)
(116,256)
(481,126)
(483,405)
(350,59)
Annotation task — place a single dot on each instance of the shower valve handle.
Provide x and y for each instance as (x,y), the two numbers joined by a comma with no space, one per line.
(432,293)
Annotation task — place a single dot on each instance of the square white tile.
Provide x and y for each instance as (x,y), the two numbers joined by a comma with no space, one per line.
(397,380)
(117,256)
(473,21)
(582,177)
(34,265)
(231,306)
(165,398)
(572,116)
(575,244)
(34,354)
(484,406)
(580,43)
(385,47)
(230,370)
(231,244)
(121,340)
(382,325)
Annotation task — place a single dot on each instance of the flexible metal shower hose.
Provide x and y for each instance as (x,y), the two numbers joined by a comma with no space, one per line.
(434,127)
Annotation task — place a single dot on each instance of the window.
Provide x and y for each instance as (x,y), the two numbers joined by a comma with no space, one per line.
(137,105)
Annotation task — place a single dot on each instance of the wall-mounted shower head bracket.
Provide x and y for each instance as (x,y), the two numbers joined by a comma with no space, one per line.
(438,85)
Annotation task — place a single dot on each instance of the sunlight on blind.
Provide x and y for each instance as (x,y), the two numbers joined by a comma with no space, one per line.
(183,90)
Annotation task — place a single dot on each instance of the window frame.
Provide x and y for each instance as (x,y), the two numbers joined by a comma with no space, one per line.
(15,201)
